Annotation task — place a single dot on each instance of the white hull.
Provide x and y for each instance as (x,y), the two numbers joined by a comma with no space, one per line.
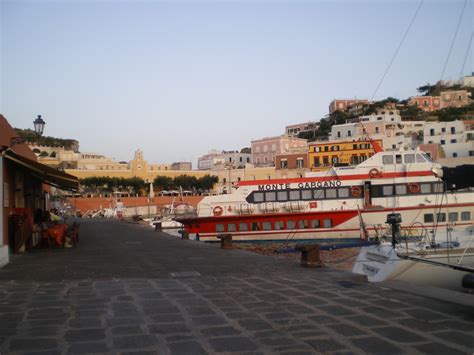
(381,263)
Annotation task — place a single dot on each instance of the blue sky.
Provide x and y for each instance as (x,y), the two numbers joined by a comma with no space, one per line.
(178,78)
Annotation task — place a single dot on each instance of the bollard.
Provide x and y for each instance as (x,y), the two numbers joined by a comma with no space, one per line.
(226,241)
(158,226)
(310,256)
(185,235)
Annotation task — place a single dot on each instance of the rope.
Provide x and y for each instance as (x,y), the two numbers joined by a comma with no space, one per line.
(398,48)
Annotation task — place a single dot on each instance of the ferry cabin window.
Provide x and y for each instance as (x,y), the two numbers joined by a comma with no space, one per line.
(409,158)
(388,190)
(441,217)
(279,225)
(219,228)
(343,192)
(255,226)
(428,218)
(267,226)
(331,193)
(438,187)
(401,189)
(387,159)
(420,158)
(258,197)
(303,224)
(318,194)
(425,188)
(315,223)
(290,225)
(294,195)
(231,227)
(306,195)
(243,227)
(398,158)
(282,195)
(327,223)
(465,216)
(453,216)
(270,196)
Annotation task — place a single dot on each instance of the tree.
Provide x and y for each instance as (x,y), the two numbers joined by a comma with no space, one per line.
(207,182)
(246,150)
(185,181)
(163,182)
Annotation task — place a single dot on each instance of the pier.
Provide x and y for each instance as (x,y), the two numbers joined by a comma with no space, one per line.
(126,288)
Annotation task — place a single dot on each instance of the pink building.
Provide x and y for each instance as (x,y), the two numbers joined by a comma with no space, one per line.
(453,98)
(344,104)
(264,150)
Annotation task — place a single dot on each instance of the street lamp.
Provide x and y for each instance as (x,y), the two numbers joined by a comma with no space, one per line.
(39,125)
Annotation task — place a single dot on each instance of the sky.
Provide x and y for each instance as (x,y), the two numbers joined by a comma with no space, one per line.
(179,78)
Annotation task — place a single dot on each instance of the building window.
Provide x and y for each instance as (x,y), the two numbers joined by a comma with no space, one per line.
(465,216)
(443,142)
(453,130)
(338,134)
(432,132)
(453,141)
(455,155)
(349,133)
(377,129)
(325,161)
(284,164)
(443,130)
(299,163)
(316,161)
(326,148)
(398,158)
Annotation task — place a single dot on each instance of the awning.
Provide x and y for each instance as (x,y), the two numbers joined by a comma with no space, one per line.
(44,173)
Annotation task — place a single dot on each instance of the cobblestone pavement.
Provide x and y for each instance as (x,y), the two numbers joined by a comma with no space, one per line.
(126,289)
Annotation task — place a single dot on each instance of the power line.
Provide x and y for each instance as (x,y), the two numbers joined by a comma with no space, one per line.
(398,48)
(454,39)
(467,54)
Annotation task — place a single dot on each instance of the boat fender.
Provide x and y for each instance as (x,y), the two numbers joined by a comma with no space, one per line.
(356,191)
(414,188)
(374,173)
(217,211)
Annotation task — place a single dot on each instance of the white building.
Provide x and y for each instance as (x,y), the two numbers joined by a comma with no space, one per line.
(295,129)
(225,159)
(452,136)
(386,125)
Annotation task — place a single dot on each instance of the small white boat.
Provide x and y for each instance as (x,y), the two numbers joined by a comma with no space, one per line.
(442,262)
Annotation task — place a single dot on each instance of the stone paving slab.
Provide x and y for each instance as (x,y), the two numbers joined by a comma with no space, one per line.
(110,297)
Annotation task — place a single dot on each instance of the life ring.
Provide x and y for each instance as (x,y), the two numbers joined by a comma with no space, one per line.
(217,211)
(374,173)
(356,191)
(414,188)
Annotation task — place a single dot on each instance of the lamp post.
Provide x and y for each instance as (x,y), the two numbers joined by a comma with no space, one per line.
(39,125)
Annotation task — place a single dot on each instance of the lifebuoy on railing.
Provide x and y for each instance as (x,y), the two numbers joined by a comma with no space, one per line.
(374,173)
(217,211)
(414,188)
(356,191)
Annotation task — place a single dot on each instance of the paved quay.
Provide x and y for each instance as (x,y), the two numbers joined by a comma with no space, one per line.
(126,289)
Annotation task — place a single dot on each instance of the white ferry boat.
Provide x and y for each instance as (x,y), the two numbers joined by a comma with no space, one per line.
(335,204)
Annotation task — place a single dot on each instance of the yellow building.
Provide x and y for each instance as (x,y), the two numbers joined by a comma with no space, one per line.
(323,155)
(139,167)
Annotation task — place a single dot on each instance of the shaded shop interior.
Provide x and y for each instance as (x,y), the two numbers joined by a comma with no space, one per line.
(25,188)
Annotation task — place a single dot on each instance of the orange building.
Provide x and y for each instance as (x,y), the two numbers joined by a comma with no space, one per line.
(323,155)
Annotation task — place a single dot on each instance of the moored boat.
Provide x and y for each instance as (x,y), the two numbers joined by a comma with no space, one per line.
(338,204)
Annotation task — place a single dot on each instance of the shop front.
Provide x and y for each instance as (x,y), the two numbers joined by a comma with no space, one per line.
(24,193)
